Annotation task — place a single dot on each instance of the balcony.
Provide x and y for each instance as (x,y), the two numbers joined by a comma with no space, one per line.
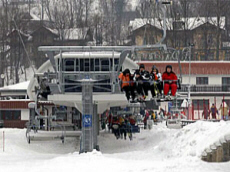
(206,88)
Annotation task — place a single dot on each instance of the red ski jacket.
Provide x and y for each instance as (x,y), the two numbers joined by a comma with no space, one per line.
(169,76)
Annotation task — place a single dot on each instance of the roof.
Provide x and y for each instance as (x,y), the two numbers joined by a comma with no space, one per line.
(75,33)
(93,54)
(197,67)
(15,30)
(191,22)
(19,86)
(52,31)
(147,26)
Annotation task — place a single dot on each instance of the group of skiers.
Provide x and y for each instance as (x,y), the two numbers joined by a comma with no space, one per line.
(224,111)
(121,125)
(137,85)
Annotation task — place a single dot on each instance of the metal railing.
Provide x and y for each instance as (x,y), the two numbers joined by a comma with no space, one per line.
(206,88)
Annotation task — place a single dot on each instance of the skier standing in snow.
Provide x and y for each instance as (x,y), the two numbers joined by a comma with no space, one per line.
(116,127)
(205,113)
(224,110)
(123,127)
(213,111)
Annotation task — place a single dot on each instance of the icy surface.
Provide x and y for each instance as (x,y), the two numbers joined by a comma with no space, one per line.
(159,150)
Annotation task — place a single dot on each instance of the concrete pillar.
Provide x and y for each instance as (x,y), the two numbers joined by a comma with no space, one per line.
(214,153)
(87,117)
(227,138)
(225,150)
(209,155)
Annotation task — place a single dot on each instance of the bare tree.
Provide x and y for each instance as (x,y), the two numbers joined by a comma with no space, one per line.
(3,31)
(222,8)
(112,19)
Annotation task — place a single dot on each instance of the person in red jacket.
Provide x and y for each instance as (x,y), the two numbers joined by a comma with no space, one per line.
(170,81)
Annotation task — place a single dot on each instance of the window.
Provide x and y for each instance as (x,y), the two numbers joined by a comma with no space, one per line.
(91,64)
(77,65)
(105,65)
(60,112)
(97,65)
(10,114)
(199,104)
(201,80)
(86,65)
(225,83)
(69,65)
(116,63)
(210,39)
(81,64)
(225,80)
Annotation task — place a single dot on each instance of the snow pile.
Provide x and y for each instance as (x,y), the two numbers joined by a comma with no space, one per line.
(193,139)
(160,149)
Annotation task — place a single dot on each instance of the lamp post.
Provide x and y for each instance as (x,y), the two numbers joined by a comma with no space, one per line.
(189,85)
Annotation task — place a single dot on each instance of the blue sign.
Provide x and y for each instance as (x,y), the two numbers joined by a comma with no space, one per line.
(87,121)
(169,106)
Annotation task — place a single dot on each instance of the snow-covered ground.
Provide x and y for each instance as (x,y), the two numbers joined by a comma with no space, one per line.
(157,150)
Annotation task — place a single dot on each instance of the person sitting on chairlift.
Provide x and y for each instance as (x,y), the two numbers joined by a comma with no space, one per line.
(153,86)
(127,84)
(146,77)
(159,79)
(138,79)
(170,81)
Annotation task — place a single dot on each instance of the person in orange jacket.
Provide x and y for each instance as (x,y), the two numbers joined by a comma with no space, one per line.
(170,81)
(127,84)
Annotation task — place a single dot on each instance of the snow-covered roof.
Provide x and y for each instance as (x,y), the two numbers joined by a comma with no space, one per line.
(190,23)
(15,30)
(54,31)
(75,33)
(19,86)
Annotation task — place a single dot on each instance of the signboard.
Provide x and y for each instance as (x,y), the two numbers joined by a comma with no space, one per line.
(169,106)
(87,120)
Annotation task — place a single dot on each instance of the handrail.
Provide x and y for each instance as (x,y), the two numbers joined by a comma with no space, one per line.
(206,88)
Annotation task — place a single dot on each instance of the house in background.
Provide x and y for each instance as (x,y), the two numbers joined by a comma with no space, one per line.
(14,111)
(182,32)
(75,37)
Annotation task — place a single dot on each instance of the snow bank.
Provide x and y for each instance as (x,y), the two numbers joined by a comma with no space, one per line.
(159,149)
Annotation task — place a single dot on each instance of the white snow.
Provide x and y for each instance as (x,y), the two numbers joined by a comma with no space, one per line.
(19,86)
(159,150)
(191,22)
